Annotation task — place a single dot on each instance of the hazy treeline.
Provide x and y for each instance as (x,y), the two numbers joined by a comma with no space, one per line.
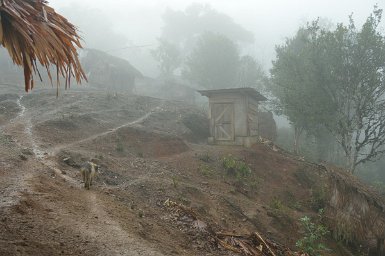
(328,80)
(205,47)
(330,83)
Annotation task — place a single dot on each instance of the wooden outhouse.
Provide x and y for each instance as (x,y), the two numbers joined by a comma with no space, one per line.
(233,115)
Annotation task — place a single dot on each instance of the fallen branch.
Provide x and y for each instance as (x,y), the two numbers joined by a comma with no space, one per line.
(249,245)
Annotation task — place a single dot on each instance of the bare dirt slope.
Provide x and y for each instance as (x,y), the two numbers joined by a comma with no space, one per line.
(160,190)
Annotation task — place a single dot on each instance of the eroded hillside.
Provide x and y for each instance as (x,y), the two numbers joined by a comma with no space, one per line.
(160,189)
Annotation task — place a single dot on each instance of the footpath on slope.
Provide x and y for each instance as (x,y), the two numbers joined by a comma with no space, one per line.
(49,200)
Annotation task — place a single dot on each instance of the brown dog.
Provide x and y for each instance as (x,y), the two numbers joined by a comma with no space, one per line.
(88,171)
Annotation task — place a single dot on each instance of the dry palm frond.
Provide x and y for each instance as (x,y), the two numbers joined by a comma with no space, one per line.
(33,32)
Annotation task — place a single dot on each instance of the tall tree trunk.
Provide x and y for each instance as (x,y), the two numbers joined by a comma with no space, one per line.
(350,153)
(297,135)
(352,160)
(351,164)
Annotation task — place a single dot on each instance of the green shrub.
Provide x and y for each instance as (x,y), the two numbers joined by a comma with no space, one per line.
(205,170)
(280,212)
(314,233)
(236,167)
(277,204)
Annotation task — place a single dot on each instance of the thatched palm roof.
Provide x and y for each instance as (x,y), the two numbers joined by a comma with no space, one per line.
(33,32)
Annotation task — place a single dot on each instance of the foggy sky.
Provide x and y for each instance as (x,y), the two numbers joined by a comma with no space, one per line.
(139,21)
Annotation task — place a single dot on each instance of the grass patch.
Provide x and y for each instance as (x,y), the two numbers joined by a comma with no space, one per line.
(236,168)
(206,170)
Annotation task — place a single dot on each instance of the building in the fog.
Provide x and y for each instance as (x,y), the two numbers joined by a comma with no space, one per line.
(233,115)
(108,72)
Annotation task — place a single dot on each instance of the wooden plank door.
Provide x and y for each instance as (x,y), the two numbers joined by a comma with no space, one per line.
(223,116)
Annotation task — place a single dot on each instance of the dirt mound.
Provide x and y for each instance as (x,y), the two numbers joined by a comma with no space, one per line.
(128,141)
(71,128)
(181,120)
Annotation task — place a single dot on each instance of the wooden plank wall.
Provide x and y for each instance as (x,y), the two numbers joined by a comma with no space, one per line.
(252,117)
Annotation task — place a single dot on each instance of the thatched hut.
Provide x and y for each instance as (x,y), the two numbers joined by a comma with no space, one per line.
(107,71)
(32,32)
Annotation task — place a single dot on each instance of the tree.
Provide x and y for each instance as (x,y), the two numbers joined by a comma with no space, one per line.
(337,79)
(251,74)
(168,57)
(293,82)
(357,88)
(213,63)
(183,26)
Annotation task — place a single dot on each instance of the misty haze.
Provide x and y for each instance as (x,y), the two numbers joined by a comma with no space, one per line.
(175,127)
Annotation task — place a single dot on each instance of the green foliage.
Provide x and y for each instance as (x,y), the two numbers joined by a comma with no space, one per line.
(333,81)
(254,184)
(184,26)
(251,73)
(235,167)
(280,212)
(213,63)
(206,170)
(277,204)
(314,233)
(281,209)
(291,201)
(168,56)
(319,146)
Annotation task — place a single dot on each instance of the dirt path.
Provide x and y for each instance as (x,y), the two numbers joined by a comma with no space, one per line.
(88,215)
(57,149)
(14,181)
(118,241)
(25,121)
